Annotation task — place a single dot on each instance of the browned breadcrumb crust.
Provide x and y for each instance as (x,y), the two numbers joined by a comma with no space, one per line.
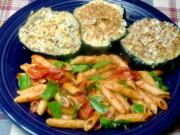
(100,21)
(153,41)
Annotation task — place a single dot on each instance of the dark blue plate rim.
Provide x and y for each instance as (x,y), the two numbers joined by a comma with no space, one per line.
(35,5)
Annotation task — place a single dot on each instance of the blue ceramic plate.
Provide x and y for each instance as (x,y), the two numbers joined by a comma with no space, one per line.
(12,55)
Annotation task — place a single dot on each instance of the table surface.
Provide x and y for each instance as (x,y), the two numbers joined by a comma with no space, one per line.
(8,7)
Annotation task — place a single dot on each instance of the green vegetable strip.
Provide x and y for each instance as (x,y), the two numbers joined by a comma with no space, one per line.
(80,68)
(24,81)
(97,104)
(138,108)
(96,78)
(55,109)
(75,111)
(101,64)
(107,123)
(158,81)
(58,64)
(50,91)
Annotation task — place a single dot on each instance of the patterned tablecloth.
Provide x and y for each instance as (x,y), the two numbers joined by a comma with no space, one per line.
(8,7)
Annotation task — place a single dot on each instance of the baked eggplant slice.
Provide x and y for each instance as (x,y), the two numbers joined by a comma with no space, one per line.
(101,23)
(152,43)
(51,32)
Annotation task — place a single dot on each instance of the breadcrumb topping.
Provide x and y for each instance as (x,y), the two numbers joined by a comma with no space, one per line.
(153,41)
(101,22)
(51,32)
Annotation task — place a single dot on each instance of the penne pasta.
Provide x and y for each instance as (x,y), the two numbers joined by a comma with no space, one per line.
(91,122)
(103,93)
(37,88)
(61,123)
(124,102)
(151,89)
(28,97)
(89,59)
(125,91)
(117,60)
(134,117)
(81,77)
(70,88)
(42,107)
(149,103)
(67,110)
(113,100)
(99,71)
(66,117)
(37,59)
(161,103)
(147,77)
(111,112)
(26,66)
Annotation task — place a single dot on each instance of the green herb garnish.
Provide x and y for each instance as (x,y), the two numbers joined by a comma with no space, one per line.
(101,64)
(96,103)
(96,78)
(50,91)
(55,108)
(159,81)
(138,108)
(107,123)
(123,82)
(58,64)
(24,81)
(80,68)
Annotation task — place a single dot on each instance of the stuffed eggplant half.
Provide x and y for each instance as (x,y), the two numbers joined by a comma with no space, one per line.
(51,32)
(152,42)
(101,23)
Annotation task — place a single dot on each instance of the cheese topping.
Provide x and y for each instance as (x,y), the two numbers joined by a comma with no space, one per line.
(153,41)
(51,32)
(101,22)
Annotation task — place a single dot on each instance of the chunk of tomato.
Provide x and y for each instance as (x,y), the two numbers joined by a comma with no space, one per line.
(37,71)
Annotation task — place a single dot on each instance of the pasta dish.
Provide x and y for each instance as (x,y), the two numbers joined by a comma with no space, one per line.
(90,92)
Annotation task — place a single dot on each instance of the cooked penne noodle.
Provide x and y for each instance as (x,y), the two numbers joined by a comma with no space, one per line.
(66,117)
(117,60)
(161,103)
(26,66)
(100,71)
(81,77)
(107,74)
(149,103)
(42,107)
(89,59)
(67,111)
(28,97)
(134,117)
(71,77)
(151,89)
(61,123)
(37,88)
(147,77)
(124,102)
(113,100)
(90,123)
(70,88)
(125,91)
(37,59)
(111,112)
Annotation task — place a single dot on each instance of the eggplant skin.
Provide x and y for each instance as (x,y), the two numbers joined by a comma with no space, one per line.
(99,28)
(51,33)
(152,44)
